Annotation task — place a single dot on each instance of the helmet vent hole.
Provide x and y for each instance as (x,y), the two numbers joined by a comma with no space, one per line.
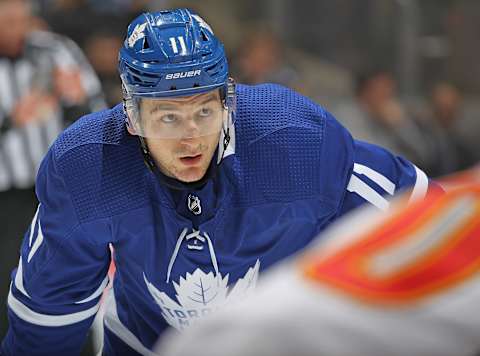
(196,85)
(146,44)
(173,88)
(204,36)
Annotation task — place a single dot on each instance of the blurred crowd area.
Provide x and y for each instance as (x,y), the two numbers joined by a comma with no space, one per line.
(400,73)
(404,74)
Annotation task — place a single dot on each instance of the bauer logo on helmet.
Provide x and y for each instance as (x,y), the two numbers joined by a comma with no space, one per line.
(191,73)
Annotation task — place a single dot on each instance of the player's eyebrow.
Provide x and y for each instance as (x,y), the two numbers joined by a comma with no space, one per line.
(175,107)
(163,106)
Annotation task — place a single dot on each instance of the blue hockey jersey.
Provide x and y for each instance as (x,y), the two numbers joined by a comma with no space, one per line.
(289,171)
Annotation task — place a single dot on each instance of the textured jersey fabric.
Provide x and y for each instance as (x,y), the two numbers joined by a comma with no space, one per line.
(295,169)
(402,283)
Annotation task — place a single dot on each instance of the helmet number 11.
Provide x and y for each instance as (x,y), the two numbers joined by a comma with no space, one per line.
(181,40)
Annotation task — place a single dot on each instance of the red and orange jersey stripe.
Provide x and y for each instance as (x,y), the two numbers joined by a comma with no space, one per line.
(431,246)
(461,179)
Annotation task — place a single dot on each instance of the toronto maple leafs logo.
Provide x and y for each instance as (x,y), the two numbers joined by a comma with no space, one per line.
(199,294)
(137,34)
(202,23)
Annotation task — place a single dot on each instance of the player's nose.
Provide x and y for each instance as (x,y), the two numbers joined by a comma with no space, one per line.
(190,130)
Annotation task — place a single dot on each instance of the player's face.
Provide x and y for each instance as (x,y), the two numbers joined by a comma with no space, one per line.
(187,156)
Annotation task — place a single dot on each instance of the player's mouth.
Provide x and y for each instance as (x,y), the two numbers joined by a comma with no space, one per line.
(191,160)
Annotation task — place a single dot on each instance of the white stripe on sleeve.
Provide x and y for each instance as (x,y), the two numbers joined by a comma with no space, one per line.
(19,279)
(378,178)
(97,293)
(356,185)
(32,226)
(32,317)
(421,186)
(38,242)
(113,323)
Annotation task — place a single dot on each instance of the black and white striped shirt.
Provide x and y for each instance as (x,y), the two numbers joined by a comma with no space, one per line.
(22,148)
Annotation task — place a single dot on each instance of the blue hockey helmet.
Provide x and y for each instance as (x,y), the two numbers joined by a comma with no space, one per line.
(169,54)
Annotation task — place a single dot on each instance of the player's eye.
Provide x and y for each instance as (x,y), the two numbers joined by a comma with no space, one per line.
(205,112)
(168,118)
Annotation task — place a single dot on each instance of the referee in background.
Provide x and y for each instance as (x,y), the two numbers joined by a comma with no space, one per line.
(45,81)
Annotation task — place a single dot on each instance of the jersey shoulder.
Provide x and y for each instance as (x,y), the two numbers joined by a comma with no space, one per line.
(275,108)
(100,164)
(288,147)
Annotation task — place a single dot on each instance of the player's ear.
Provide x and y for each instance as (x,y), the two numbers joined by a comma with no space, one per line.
(130,112)
(131,131)
(130,125)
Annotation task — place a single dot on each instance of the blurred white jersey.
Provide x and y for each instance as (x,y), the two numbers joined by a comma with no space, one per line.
(401,283)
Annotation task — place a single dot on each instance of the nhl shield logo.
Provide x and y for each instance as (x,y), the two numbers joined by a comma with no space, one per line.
(194,204)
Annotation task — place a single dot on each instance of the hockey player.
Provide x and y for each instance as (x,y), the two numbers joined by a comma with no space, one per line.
(236,178)
(402,283)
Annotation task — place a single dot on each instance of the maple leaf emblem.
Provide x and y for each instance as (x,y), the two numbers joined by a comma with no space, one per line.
(137,34)
(199,294)
(202,23)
